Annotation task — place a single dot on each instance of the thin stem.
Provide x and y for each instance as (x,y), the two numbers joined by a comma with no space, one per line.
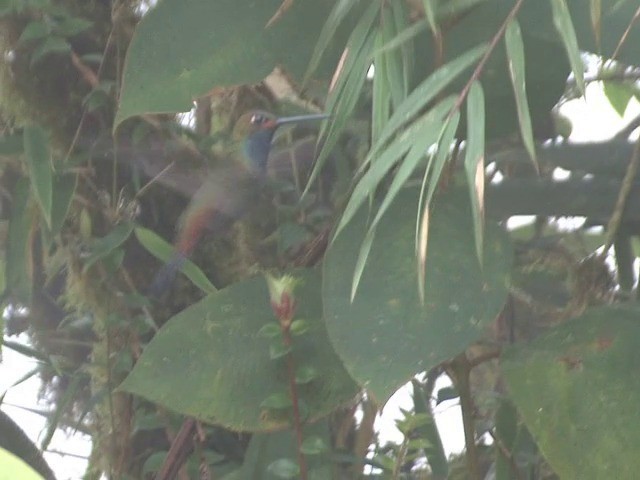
(402,454)
(480,67)
(293,392)
(635,18)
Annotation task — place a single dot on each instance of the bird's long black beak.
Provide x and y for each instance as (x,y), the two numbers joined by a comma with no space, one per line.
(301,118)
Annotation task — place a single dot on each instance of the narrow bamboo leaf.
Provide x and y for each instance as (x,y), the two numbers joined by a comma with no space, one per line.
(363,254)
(456,7)
(342,99)
(393,68)
(474,162)
(436,455)
(515,54)
(404,36)
(64,186)
(421,247)
(101,248)
(381,96)
(596,22)
(340,10)
(424,93)
(564,26)
(430,182)
(424,137)
(36,148)
(401,16)
(369,181)
(437,163)
(17,271)
(163,251)
(27,351)
(430,13)
(70,393)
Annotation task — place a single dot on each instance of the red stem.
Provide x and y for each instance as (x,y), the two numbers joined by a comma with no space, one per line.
(293,392)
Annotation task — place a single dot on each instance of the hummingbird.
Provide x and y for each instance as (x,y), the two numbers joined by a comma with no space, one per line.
(230,189)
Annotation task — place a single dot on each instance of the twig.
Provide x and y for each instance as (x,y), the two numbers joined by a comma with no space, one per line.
(486,356)
(176,454)
(624,36)
(480,67)
(618,210)
(459,370)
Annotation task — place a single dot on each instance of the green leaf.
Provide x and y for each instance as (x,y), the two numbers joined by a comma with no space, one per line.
(69,26)
(61,406)
(51,45)
(230,372)
(618,94)
(423,94)
(580,379)
(430,13)
(564,26)
(180,51)
(313,445)
(392,67)
(436,455)
(12,467)
(162,250)
(300,327)
(386,335)
(265,448)
(36,149)
(437,162)
(474,162)
(35,30)
(18,255)
(277,401)
(337,15)
(348,86)
(12,144)
(507,432)
(278,350)
(284,468)
(306,374)
(381,95)
(515,54)
(419,132)
(64,187)
(270,330)
(100,248)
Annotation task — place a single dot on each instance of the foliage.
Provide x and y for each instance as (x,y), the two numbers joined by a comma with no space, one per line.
(383,234)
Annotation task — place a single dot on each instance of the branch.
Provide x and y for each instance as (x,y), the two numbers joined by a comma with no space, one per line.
(459,370)
(625,189)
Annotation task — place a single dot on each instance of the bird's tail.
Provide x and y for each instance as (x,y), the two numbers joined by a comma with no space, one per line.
(167,274)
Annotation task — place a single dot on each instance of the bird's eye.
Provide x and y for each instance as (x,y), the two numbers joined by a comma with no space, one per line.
(257,119)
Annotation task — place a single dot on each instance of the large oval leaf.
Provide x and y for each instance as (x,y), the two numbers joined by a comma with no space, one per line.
(386,335)
(184,48)
(209,361)
(577,388)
